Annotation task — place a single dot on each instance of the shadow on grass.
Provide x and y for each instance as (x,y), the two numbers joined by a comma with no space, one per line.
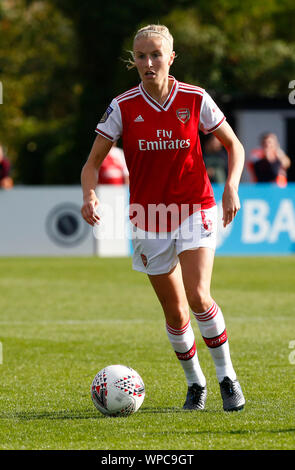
(174,409)
(82,414)
(62,414)
(223,432)
(76,414)
(88,414)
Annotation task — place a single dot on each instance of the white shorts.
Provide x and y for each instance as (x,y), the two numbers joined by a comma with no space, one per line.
(157,253)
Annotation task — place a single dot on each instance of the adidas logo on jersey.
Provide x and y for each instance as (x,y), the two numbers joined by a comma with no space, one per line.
(139,118)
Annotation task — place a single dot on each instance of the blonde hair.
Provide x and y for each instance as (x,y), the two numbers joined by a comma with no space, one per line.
(148,31)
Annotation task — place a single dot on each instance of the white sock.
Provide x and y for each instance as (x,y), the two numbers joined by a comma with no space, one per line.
(212,328)
(184,345)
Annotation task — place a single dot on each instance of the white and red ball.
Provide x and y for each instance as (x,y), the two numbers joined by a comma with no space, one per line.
(117,390)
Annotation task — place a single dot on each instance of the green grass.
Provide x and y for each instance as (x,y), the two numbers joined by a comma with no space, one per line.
(62,320)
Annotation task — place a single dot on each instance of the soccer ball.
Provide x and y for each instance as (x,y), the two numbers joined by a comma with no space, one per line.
(117,391)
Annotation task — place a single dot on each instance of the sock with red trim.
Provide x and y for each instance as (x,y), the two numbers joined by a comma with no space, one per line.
(184,345)
(212,328)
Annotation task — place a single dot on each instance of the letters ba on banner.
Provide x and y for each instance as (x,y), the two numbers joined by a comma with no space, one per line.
(264,225)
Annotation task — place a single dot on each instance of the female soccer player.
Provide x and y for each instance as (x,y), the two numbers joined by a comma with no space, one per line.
(172,206)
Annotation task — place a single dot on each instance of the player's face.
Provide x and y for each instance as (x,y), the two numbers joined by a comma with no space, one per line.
(270,143)
(153,59)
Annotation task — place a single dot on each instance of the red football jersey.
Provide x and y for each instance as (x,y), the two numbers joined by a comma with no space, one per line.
(162,149)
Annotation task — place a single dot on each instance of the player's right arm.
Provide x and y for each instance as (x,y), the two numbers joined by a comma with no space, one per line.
(89,176)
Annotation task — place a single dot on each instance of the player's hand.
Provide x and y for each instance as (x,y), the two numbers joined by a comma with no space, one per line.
(230,203)
(88,209)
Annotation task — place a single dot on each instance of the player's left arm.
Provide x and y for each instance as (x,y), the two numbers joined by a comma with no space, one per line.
(236,159)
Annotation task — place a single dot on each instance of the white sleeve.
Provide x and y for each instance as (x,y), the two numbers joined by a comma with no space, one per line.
(211,117)
(110,124)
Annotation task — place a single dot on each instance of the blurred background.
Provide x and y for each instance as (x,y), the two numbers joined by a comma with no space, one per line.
(61,63)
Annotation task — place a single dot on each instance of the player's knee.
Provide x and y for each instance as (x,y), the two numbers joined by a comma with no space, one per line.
(199,300)
(177,317)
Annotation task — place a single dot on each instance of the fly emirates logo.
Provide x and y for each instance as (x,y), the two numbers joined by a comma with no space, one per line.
(164,141)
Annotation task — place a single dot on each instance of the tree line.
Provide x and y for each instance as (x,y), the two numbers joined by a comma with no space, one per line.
(61,62)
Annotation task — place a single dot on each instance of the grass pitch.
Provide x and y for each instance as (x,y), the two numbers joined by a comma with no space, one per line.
(62,320)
